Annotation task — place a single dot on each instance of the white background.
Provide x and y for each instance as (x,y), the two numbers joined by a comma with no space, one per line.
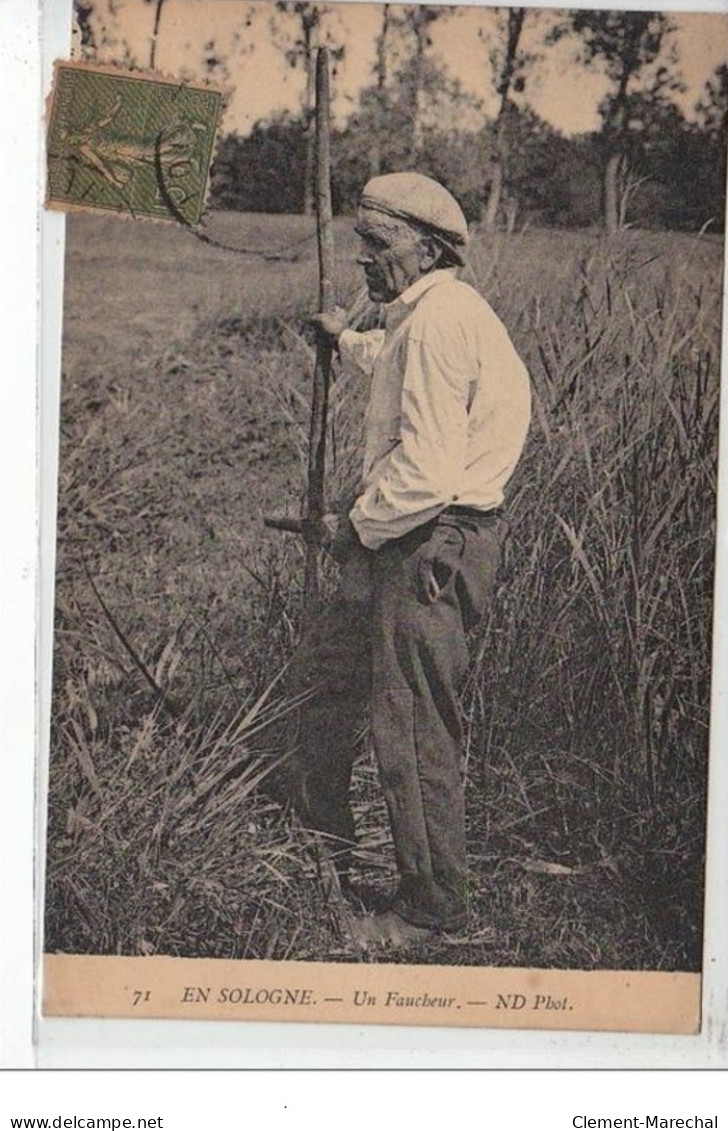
(186,1099)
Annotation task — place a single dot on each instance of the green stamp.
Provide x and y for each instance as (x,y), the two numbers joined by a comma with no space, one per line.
(133,144)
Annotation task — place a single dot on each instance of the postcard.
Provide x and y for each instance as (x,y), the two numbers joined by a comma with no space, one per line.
(386,513)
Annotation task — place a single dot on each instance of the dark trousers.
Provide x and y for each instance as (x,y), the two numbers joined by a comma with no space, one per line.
(385,642)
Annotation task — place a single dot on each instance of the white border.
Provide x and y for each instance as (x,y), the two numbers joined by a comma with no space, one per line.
(19,97)
(25,438)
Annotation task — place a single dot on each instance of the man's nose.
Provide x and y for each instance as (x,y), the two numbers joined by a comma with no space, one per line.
(363,258)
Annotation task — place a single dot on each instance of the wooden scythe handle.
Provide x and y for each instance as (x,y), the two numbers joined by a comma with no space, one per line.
(315,501)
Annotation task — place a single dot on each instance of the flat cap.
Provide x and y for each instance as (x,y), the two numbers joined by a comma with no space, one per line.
(414,197)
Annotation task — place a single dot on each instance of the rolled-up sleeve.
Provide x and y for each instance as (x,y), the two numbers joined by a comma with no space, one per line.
(360,349)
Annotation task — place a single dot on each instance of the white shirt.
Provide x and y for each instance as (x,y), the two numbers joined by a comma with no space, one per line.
(448,411)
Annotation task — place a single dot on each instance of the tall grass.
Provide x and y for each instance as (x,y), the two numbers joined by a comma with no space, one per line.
(587,700)
(613,515)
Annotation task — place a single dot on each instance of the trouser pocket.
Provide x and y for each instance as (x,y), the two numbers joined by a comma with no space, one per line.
(439,562)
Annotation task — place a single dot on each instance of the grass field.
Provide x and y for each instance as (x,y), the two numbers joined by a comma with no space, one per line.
(183,422)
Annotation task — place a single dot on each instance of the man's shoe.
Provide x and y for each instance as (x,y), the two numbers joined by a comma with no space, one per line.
(427,901)
(451,920)
(389,929)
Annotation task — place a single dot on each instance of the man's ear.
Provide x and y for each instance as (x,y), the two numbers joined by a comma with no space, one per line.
(431,253)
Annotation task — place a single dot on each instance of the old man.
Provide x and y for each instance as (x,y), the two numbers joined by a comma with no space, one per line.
(447,418)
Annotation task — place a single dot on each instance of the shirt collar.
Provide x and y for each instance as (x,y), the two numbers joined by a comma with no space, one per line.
(416,290)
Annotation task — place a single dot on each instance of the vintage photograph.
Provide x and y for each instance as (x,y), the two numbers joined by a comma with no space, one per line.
(386,506)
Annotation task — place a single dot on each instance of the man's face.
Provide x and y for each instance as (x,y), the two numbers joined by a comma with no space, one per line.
(393,255)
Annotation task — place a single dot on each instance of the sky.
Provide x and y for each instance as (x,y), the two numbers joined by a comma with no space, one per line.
(260,82)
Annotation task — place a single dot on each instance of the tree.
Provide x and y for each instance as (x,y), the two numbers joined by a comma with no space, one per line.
(84,13)
(626,44)
(539,190)
(712,109)
(650,186)
(709,148)
(418,19)
(310,33)
(380,91)
(98,26)
(412,91)
(101,22)
(508,64)
(378,136)
(264,171)
(158,5)
(415,74)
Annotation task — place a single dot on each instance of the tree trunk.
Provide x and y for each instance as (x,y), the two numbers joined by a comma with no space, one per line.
(614,132)
(490,215)
(417,81)
(514,27)
(382,38)
(375,153)
(155,34)
(611,193)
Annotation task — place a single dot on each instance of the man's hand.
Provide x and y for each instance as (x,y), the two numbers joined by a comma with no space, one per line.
(440,561)
(331,325)
(341,538)
(342,542)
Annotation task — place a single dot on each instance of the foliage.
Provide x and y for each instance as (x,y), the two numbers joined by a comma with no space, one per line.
(587,703)
(713,106)
(264,172)
(625,44)
(675,168)
(657,168)
(308,30)
(300,44)
(660,170)
(709,144)
(509,65)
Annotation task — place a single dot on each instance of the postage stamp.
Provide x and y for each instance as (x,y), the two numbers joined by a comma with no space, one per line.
(130,143)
